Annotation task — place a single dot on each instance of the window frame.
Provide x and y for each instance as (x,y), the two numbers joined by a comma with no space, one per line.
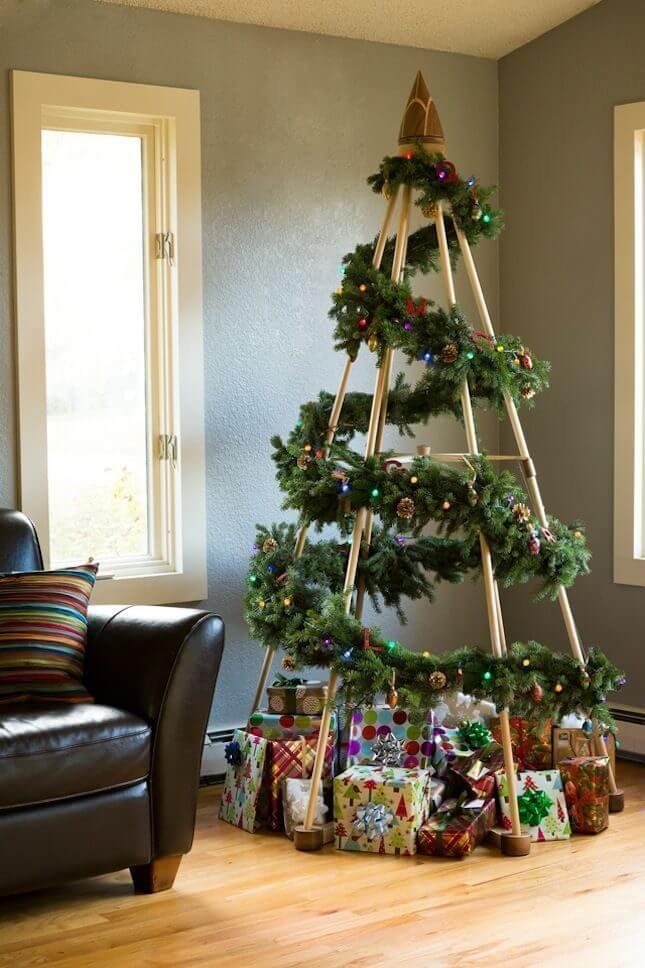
(170,118)
(629,345)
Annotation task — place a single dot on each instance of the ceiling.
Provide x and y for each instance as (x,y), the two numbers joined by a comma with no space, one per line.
(485,28)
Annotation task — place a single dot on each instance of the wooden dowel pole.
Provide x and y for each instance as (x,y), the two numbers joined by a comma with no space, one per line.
(264,675)
(319,760)
(341,392)
(492,596)
(601,750)
(520,441)
(363,518)
(500,620)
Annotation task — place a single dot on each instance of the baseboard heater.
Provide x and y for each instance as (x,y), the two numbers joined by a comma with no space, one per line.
(213,766)
(631,726)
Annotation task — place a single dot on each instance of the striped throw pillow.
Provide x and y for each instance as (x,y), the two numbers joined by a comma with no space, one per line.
(43,631)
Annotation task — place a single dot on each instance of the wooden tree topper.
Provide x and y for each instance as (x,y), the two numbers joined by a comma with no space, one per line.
(420,119)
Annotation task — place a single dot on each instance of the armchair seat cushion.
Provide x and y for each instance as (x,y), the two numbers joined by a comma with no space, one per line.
(51,751)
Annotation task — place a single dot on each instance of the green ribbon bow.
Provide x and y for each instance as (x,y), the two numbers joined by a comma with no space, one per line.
(280,680)
(534,806)
(473,734)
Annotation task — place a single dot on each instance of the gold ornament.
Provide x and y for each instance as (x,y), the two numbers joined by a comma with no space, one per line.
(405,508)
(362,287)
(269,545)
(522,513)
(476,213)
(393,699)
(430,210)
(585,680)
(372,343)
(261,603)
(577,535)
(446,505)
(286,601)
(307,447)
(527,391)
(303,462)
(449,353)
(437,680)
(558,687)
(288,664)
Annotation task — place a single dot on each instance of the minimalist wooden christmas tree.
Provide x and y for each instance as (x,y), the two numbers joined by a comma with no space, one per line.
(308,596)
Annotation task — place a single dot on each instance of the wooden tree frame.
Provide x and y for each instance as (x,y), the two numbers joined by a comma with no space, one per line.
(421,124)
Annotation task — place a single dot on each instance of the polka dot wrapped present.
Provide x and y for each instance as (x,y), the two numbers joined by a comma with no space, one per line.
(373,724)
(297,698)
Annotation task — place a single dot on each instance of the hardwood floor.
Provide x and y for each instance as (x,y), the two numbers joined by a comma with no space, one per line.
(243,900)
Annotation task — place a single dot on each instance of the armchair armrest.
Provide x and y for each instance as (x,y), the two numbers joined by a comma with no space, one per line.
(161,664)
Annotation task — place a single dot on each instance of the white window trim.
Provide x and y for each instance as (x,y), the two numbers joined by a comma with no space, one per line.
(177,111)
(629,358)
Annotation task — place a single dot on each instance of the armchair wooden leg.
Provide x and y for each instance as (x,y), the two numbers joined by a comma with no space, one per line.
(158,875)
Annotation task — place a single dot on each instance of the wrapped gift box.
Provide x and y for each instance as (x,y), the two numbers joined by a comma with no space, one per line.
(586,789)
(245,797)
(293,758)
(477,770)
(370,723)
(457,827)
(273,726)
(295,798)
(298,698)
(380,809)
(574,742)
(541,801)
(531,741)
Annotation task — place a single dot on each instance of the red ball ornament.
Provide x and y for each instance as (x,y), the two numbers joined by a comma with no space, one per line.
(526,361)
(408,155)
(446,172)
(362,323)
(320,453)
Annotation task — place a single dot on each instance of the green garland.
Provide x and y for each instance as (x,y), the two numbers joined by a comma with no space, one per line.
(531,680)
(330,489)
(282,589)
(298,603)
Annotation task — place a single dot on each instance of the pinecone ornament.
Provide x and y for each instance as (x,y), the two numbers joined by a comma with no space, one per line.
(437,680)
(303,461)
(288,663)
(527,391)
(269,545)
(449,353)
(522,513)
(526,361)
(430,210)
(405,508)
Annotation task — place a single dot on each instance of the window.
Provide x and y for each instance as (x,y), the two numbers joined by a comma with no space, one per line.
(108,287)
(629,275)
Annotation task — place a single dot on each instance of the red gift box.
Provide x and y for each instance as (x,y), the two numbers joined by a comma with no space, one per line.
(586,789)
(456,828)
(478,770)
(531,741)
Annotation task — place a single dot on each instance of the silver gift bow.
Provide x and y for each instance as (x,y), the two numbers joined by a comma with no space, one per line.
(373,820)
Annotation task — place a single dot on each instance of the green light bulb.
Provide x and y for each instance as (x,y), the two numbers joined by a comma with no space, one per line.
(375,492)
(488,675)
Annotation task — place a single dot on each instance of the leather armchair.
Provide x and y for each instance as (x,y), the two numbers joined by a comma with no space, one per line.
(90,788)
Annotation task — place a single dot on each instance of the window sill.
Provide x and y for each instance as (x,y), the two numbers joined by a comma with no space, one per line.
(169,589)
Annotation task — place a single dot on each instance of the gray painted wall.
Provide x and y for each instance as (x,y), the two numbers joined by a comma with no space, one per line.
(556,144)
(291,125)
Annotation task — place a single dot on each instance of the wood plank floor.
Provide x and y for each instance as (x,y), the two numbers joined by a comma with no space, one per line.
(243,900)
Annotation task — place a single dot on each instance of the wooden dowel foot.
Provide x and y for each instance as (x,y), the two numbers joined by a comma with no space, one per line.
(158,875)
(515,845)
(308,840)
(617,802)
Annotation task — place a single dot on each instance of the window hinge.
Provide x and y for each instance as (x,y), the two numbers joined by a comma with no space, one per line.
(165,247)
(168,448)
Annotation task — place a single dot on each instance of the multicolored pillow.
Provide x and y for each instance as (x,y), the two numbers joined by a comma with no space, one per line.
(43,631)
